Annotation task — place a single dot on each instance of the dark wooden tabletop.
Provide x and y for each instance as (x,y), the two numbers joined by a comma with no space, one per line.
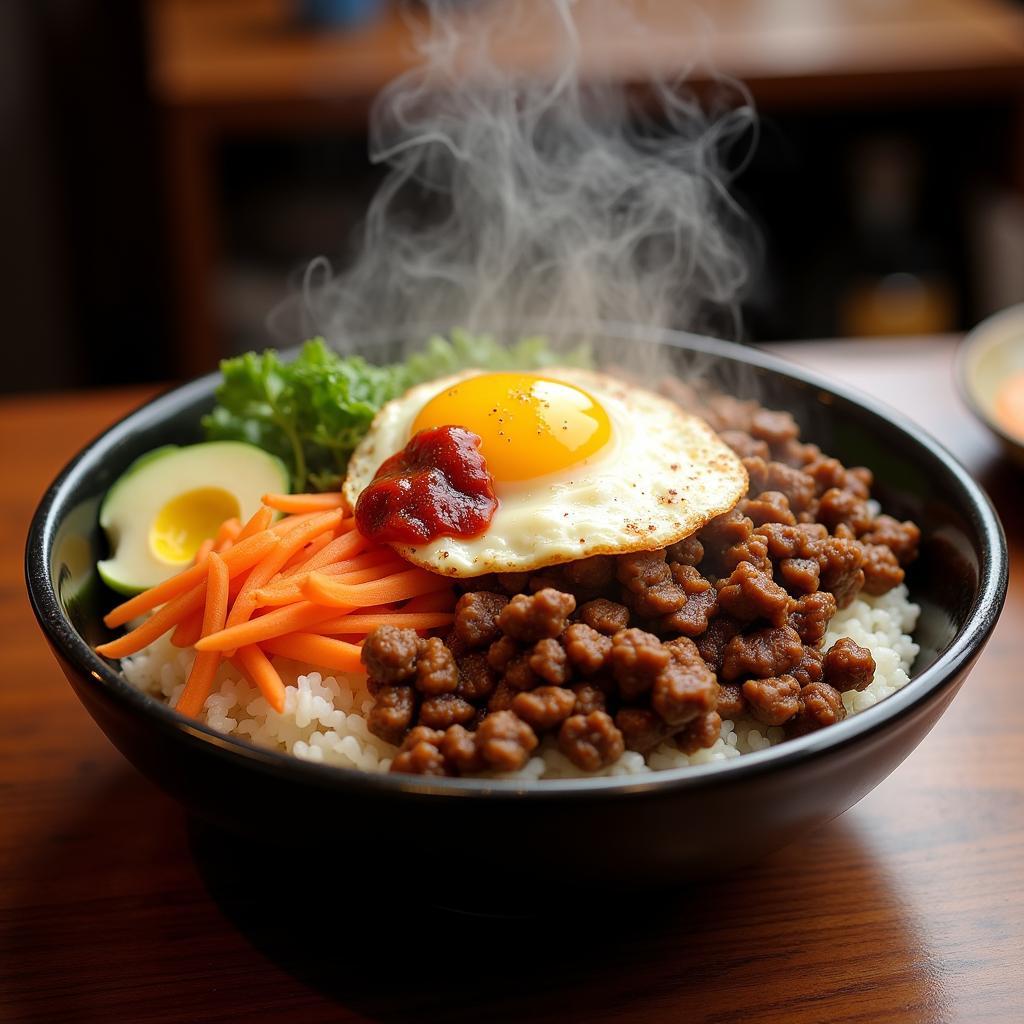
(113,907)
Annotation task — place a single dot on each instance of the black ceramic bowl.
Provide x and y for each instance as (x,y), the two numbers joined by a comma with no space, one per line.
(652,828)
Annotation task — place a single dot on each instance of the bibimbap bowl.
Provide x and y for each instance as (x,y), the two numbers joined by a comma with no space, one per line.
(645,828)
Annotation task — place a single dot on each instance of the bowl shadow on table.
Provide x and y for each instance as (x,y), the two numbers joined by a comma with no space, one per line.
(396,945)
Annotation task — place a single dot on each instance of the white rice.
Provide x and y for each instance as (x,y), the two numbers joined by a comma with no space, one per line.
(324,719)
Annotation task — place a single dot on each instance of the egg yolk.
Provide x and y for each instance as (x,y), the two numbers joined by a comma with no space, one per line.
(187,520)
(529,426)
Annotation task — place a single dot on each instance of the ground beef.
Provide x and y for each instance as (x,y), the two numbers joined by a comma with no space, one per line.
(768,507)
(836,506)
(809,668)
(688,551)
(445,709)
(389,655)
(586,649)
(502,653)
(744,445)
(392,714)
(882,569)
(636,659)
(713,641)
(529,618)
(421,753)
(649,584)
(796,485)
(588,698)
(811,614)
(545,707)
(848,666)
(902,539)
(590,741)
(476,677)
(610,652)
(772,701)
(459,750)
(590,574)
(828,473)
(750,594)
(605,616)
(692,619)
(820,705)
(798,575)
(505,741)
(686,687)
(641,728)
(700,734)
(476,617)
(764,652)
(436,671)
(549,661)
(841,569)
(730,700)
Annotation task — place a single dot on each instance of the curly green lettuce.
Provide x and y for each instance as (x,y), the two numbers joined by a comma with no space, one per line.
(313,411)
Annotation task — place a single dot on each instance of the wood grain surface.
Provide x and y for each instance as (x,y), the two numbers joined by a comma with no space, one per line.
(113,907)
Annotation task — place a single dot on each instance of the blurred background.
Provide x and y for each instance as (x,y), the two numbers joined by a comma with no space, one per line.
(168,166)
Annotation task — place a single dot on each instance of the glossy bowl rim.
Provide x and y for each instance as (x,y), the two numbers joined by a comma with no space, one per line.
(983,336)
(947,667)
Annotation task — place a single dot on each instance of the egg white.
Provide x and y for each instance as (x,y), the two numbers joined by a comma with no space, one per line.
(663,474)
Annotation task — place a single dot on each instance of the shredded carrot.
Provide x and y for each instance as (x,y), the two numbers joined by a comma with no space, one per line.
(204,668)
(322,589)
(241,557)
(284,591)
(265,570)
(345,546)
(366,622)
(263,674)
(299,616)
(318,650)
(188,631)
(316,545)
(260,521)
(295,503)
(227,534)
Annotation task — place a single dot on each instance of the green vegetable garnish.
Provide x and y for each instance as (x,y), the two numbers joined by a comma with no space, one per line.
(313,411)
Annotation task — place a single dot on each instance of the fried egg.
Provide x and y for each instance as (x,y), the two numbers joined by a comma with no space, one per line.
(582,464)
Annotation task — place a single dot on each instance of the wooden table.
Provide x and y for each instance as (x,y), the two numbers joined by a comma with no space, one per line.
(910,907)
(222,69)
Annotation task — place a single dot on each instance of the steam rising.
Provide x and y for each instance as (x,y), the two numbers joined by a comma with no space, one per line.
(545,198)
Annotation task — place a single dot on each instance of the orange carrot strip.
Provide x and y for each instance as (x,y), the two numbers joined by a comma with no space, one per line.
(293,503)
(289,589)
(188,631)
(241,557)
(227,533)
(303,615)
(318,650)
(262,573)
(204,668)
(260,521)
(316,545)
(365,622)
(263,674)
(345,546)
(411,583)
(203,552)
